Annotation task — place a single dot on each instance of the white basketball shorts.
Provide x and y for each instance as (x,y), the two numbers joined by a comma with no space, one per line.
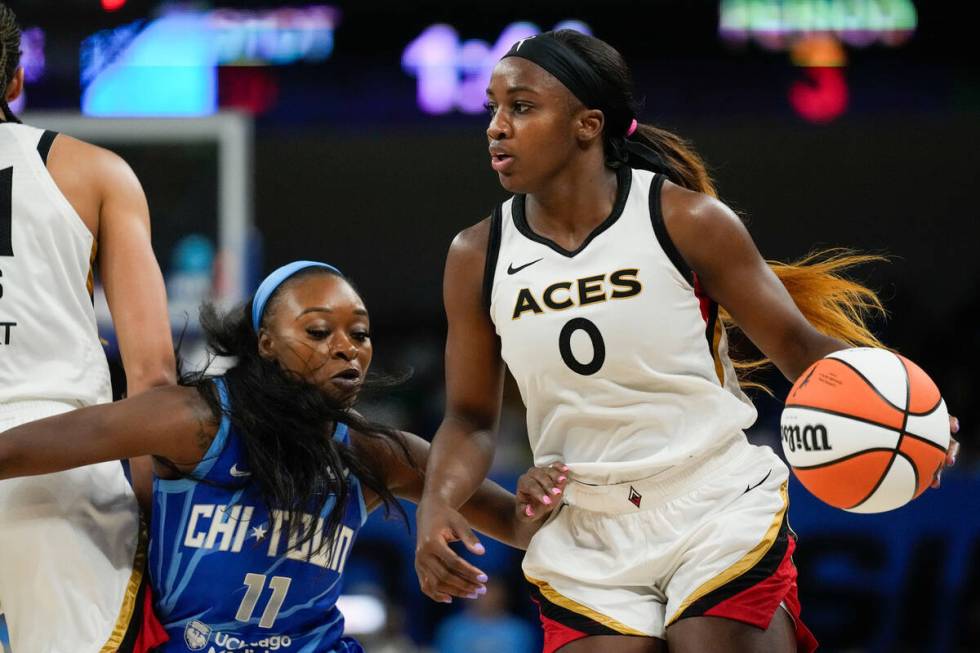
(68,543)
(710,538)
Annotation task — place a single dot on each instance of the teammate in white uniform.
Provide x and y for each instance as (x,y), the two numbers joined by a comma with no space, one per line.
(596,285)
(68,541)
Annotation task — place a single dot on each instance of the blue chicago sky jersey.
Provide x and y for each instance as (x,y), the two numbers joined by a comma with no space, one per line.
(226,574)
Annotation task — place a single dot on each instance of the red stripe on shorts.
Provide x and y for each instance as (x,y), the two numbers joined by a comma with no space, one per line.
(557,635)
(757,604)
(151,632)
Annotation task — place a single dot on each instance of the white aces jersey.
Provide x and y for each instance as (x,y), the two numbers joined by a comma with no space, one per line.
(49,344)
(620,359)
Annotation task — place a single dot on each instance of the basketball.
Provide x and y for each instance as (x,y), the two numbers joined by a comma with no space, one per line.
(865,430)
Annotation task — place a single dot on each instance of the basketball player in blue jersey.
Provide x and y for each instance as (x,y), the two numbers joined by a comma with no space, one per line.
(69,542)
(600,285)
(265,474)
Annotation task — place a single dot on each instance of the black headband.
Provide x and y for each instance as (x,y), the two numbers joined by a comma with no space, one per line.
(581,79)
(565,65)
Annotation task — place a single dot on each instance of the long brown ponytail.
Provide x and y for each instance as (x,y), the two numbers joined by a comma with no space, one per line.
(835,305)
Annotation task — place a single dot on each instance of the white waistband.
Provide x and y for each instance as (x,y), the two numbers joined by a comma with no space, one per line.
(629,496)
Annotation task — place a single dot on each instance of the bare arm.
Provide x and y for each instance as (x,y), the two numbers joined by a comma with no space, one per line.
(463,446)
(491,509)
(109,198)
(133,282)
(136,296)
(718,247)
(173,422)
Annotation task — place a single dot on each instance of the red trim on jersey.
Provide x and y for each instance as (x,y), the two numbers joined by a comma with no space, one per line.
(151,633)
(557,634)
(756,605)
(703,298)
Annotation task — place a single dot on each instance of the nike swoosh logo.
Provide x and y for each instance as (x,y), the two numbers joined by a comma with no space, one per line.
(512,270)
(749,489)
(234,471)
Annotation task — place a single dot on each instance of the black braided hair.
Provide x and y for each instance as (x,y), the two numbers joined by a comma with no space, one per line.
(9,56)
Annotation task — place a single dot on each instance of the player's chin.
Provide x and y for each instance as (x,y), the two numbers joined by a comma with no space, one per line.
(341,392)
(512,183)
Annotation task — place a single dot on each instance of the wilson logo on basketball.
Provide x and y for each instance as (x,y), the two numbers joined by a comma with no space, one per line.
(809,438)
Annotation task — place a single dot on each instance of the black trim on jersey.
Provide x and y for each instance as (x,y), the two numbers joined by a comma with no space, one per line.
(624,176)
(493,252)
(660,229)
(44,145)
(709,329)
(766,567)
(136,621)
(6,211)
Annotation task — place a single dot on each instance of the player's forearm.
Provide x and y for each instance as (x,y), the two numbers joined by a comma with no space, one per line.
(802,350)
(151,371)
(492,510)
(459,460)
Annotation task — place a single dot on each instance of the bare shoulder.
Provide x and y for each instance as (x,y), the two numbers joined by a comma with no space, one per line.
(684,208)
(470,245)
(465,262)
(185,421)
(92,159)
(702,227)
(87,175)
(183,403)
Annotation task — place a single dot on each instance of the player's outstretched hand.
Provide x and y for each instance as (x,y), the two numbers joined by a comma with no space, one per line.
(951,452)
(442,573)
(540,490)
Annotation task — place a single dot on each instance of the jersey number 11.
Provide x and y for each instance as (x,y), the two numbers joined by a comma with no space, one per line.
(255,584)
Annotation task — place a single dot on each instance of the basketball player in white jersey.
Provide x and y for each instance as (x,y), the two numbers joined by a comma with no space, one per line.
(597,285)
(70,577)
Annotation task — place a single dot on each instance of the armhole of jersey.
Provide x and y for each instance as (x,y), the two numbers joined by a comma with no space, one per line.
(660,229)
(44,145)
(221,437)
(341,434)
(493,251)
(203,468)
(712,329)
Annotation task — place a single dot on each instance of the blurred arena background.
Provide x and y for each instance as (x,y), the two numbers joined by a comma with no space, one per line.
(353,132)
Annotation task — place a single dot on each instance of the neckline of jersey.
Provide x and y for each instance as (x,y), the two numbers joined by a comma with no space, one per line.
(624,179)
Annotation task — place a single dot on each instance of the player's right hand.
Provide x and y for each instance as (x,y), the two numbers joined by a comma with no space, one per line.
(539,491)
(442,573)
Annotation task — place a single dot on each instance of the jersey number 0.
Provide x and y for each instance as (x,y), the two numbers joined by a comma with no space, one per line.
(598,346)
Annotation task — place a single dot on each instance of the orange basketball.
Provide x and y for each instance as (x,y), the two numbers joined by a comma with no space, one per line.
(865,430)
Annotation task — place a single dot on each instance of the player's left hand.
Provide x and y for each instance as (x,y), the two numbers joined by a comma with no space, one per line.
(951,452)
(539,491)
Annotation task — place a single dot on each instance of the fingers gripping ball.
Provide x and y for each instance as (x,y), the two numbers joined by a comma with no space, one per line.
(865,430)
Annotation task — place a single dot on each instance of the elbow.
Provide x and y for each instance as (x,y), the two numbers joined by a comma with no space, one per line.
(156,376)
(803,349)
(471,421)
